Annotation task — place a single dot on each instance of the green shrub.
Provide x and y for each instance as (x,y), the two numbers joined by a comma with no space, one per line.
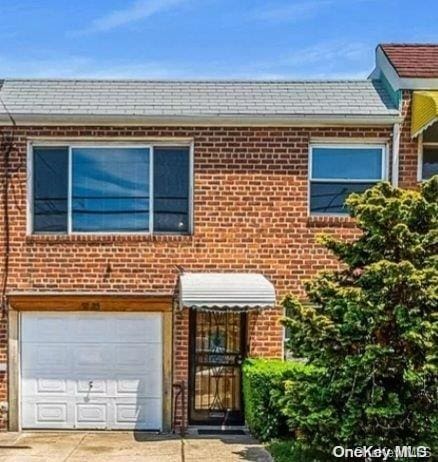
(372,329)
(263,387)
(292,451)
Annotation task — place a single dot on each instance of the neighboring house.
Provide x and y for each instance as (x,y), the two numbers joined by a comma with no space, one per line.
(150,229)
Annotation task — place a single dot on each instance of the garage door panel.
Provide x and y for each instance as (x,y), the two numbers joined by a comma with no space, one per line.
(120,354)
(35,413)
(142,414)
(94,328)
(128,356)
(91,357)
(48,384)
(41,357)
(51,412)
(34,326)
(145,386)
(91,413)
(139,330)
(98,386)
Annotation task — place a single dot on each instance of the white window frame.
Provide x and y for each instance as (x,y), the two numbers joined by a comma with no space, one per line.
(421,145)
(70,145)
(339,145)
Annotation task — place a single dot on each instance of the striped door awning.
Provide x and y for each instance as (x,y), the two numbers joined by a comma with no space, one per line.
(424,111)
(226,291)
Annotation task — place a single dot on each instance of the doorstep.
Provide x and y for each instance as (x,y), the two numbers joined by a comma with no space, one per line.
(216,430)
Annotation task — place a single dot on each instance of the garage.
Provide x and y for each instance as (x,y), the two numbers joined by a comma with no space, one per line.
(90,370)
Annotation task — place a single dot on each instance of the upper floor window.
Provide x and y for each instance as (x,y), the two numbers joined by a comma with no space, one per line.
(336,171)
(429,158)
(112,189)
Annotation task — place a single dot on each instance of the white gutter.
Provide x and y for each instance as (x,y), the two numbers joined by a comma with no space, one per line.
(395,153)
(293,120)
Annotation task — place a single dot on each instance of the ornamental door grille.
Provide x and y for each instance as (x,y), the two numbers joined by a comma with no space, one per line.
(217,349)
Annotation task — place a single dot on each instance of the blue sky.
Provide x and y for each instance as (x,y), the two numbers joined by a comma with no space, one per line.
(263,39)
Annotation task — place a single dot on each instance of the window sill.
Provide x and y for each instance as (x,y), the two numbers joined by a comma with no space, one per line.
(330,221)
(106,238)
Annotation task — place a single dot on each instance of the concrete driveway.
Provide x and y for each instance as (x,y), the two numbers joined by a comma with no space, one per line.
(127,447)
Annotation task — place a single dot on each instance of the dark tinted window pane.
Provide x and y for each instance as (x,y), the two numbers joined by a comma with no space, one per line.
(430,162)
(347,163)
(50,189)
(110,189)
(171,189)
(431,134)
(330,197)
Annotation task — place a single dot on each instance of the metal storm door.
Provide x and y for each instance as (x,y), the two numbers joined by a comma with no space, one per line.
(217,349)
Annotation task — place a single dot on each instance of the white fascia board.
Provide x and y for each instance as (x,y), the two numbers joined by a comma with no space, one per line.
(419,84)
(299,120)
(383,64)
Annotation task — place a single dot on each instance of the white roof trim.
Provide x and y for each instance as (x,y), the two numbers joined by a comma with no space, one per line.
(222,291)
(384,66)
(416,83)
(293,120)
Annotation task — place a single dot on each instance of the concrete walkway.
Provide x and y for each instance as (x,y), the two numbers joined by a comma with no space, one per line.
(127,447)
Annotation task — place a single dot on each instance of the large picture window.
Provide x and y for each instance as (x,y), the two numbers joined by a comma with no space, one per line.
(338,170)
(111,189)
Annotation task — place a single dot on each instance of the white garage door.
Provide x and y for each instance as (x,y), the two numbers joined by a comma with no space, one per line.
(91,370)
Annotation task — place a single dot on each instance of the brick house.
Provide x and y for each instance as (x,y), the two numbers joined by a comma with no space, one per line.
(149,229)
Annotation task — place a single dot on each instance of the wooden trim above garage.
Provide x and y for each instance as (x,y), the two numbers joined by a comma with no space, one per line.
(85,302)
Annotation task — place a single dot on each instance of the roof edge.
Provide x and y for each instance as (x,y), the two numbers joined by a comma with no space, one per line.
(184,81)
(406,82)
(385,66)
(381,46)
(215,120)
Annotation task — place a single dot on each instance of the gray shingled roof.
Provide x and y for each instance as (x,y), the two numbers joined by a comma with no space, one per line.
(135,99)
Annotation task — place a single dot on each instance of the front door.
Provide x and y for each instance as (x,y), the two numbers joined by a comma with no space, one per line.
(217,348)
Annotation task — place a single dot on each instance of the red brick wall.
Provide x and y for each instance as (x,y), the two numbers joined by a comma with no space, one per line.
(408,146)
(250,215)
(181,364)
